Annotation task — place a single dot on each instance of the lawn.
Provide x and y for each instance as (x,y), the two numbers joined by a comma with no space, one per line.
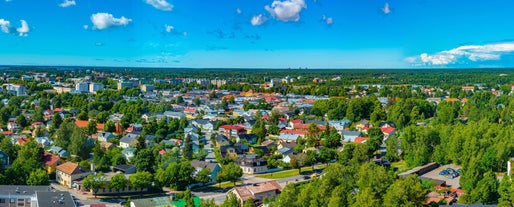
(217,186)
(400,166)
(289,173)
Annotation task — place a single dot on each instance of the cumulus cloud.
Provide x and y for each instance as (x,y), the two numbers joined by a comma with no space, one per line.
(168,28)
(105,20)
(287,10)
(472,53)
(24,29)
(258,20)
(67,3)
(239,11)
(5,26)
(160,4)
(386,8)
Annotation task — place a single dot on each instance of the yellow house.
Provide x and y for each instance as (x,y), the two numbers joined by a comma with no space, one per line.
(50,162)
(69,172)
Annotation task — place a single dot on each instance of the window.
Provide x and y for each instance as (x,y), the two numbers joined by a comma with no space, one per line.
(2,200)
(12,200)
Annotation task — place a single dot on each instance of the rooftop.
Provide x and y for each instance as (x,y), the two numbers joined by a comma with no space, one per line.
(248,191)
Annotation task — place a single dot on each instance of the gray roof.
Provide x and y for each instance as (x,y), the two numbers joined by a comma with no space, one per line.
(55,199)
(199,165)
(128,138)
(22,190)
(351,133)
(285,151)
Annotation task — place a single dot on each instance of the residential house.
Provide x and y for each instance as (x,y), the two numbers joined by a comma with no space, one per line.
(249,138)
(339,125)
(221,140)
(290,145)
(129,140)
(125,169)
(204,125)
(361,124)
(50,162)
(284,151)
(251,164)
(105,136)
(43,141)
(350,136)
(231,130)
(360,140)
(174,115)
(4,160)
(388,131)
(135,128)
(69,172)
(213,167)
(230,151)
(13,126)
(291,134)
(257,191)
(59,151)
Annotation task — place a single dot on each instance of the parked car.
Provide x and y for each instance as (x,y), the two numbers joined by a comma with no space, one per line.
(443,172)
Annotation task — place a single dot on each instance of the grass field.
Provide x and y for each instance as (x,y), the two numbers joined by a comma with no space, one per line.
(289,173)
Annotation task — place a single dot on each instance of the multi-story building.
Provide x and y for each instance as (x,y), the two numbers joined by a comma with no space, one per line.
(34,196)
(257,191)
(124,84)
(82,87)
(16,89)
(69,172)
(94,87)
(147,88)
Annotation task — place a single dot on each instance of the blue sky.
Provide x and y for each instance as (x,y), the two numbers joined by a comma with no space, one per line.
(258,33)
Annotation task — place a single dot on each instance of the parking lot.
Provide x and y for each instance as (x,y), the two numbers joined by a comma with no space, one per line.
(434,174)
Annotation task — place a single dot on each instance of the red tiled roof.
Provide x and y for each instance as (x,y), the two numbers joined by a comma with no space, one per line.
(387,130)
(7,132)
(50,159)
(306,126)
(190,110)
(291,131)
(57,109)
(23,141)
(297,121)
(81,124)
(360,140)
(236,127)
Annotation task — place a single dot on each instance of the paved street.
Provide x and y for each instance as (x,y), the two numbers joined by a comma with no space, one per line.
(83,199)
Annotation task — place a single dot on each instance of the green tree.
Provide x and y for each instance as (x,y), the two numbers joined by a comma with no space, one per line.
(38,177)
(231,201)
(91,127)
(145,160)
(188,198)
(110,126)
(180,100)
(63,134)
(405,193)
(187,150)
(118,182)
(141,180)
(82,115)
(78,143)
(94,182)
(203,176)
(298,161)
(8,148)
(249,203)
(487,189)
(22,121)
(208,203)
(231,172)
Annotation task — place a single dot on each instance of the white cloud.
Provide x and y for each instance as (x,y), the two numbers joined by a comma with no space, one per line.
(168,28)
(160,4)
(472,53)
(327,20)
(5,26)
(67,3)
(24,29)
(386,8)
(85,26)
(258,20)
(239,11)
(105,20)
(287,10)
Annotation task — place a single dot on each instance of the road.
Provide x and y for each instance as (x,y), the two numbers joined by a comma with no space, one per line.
(220,195)
(82,199)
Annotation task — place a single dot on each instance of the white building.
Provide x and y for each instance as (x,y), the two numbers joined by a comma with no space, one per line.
(16,89)
(94,87)
(82,87)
